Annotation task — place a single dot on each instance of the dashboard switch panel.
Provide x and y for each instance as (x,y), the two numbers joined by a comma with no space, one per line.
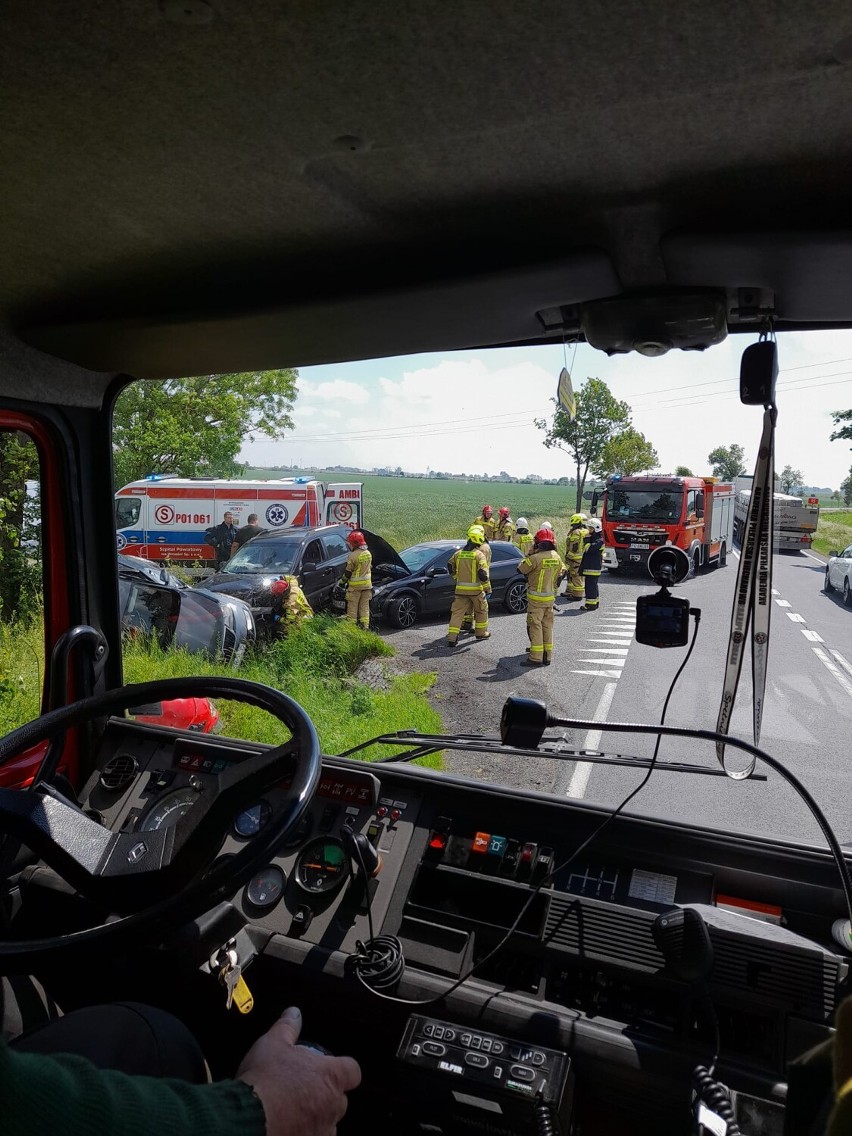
(471,1076)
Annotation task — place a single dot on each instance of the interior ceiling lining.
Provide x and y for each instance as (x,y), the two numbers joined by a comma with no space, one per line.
(160,178)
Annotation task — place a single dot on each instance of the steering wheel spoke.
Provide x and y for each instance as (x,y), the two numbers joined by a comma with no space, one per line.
(150,876)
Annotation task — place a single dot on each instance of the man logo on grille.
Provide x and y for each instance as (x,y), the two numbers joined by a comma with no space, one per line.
(277,515)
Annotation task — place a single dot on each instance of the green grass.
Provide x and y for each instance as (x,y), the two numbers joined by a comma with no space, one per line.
(315,665)
(405,510)
(834,532)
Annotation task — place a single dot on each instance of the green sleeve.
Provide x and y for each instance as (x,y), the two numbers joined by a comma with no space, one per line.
(40,1096)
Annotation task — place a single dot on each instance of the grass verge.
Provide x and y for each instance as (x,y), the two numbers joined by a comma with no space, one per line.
(316,665)
(834,531)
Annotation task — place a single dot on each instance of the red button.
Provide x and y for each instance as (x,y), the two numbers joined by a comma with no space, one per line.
(527,853)
(438,841)
(481,842)
(395,814)
(381,811)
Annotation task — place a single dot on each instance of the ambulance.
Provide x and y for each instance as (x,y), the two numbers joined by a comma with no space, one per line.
(165,518)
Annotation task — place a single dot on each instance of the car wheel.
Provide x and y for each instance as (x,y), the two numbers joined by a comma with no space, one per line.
(515,599)
(723,556)
(696,562)
(847,593)
(829,587)
(402,611)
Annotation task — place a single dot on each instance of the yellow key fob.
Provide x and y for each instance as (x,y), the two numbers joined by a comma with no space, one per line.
(243,998)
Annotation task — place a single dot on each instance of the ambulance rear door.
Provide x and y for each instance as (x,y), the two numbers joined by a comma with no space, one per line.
(344,505)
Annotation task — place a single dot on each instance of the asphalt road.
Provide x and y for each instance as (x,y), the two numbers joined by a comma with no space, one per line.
(599,671)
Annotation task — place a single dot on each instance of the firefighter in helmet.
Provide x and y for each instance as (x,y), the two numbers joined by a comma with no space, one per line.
(505,525)
(543,569)
(487,522)
(469,569)
(523,538)
(290,605)
(357,579)
(467,622)
(591,565)
(575,544)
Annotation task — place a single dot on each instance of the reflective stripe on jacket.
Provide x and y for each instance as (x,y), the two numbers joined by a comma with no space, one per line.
(297,607)
(542,570)
(465,568)
(524,541)
(358,568)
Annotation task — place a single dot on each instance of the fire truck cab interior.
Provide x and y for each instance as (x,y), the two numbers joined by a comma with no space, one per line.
(208,186)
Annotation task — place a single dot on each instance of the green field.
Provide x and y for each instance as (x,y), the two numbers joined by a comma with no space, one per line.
(405,510)
(834,532)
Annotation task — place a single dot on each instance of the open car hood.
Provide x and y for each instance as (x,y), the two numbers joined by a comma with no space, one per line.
(383,553)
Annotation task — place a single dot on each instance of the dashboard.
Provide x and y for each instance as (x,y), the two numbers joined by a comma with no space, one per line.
(581,989)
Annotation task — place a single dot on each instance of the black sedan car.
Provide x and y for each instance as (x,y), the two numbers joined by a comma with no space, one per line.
(417,582)
(317,556)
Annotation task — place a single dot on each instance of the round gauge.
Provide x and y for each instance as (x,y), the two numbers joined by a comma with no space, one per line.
(251,820)
(167,811)
(322,866)
(265,888)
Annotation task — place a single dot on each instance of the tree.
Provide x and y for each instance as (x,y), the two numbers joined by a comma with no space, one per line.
(683,471)
(193,427)
(600,419)
(846,489)
(19,565)
(844,431)
(835,495)
(727,461)
(791,479)
(626,453)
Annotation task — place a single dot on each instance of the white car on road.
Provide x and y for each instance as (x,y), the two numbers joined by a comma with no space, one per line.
(838,574)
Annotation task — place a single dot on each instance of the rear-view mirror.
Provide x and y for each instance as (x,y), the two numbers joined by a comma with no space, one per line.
(834,552)
(437,571)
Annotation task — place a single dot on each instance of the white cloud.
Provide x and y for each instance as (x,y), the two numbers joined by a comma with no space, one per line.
(473,412)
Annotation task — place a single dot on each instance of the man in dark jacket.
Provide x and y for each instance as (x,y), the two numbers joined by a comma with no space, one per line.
(248,530)
(591,564)
(221,537)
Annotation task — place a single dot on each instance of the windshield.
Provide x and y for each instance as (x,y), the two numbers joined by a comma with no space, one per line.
(644,505)
(419,557)
(265,557)
(425,443)
(127,511)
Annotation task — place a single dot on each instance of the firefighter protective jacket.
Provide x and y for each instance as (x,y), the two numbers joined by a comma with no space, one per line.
(543,569)
(469,568)
(524,541)
(505,530)
(358,570)
(576,542)
(490,526)
(592,562)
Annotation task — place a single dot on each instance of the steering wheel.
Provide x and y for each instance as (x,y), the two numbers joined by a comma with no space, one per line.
(152,877)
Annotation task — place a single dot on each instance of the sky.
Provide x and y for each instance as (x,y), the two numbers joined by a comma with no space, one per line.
(473,411)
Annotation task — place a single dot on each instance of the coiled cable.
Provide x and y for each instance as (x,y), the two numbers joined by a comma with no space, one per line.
(715,1096)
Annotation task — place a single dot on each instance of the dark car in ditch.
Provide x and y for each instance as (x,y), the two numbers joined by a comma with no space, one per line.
(416,582)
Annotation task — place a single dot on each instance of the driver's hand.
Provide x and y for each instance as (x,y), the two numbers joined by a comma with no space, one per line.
(303,1092)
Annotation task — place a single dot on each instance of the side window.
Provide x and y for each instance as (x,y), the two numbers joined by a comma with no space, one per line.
(313,553)
(499,552)
(848,553)
(335,546)
(127,511)
(21,587)
(690,502)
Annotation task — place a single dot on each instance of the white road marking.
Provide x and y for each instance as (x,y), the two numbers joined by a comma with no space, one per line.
(605,662)
(818,559)
(735,553)
(783,603)
(583,769)
(775,592)
(795,618)
(607,650)
(601,674)
(838,658)
(814,636)
(830,665)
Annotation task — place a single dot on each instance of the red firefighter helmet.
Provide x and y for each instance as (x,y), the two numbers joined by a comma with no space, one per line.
(504,512)
(356,539)
(544,534)
(487,511)
(280,587)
